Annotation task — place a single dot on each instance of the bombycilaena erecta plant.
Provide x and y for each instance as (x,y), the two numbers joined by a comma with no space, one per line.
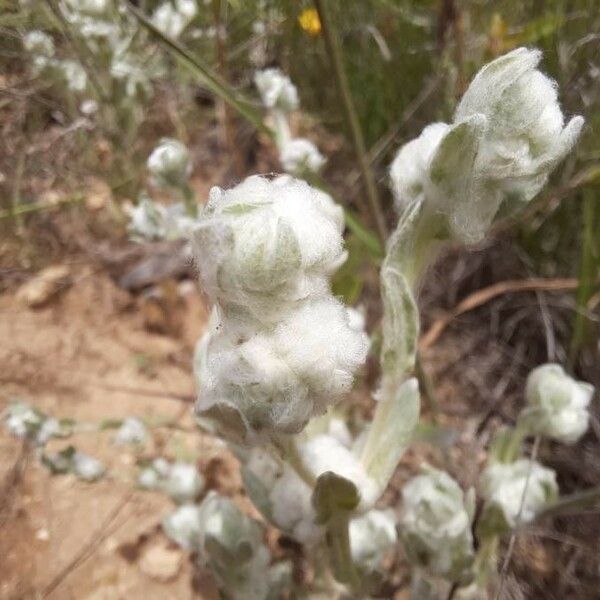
(298,156)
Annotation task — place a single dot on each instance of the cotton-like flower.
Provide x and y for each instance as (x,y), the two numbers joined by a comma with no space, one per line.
(170,164)
(87,467)
(151,221)
(436,525)
(184,526)
(557,404)
(516,492)
(524,137)
(133,75)
(171,19)
(372,537)
(276,90)
(39,44)
(277,380)
(23,421)
(88,107)
(409,172)
(267,243)
(74,75)
(131,431)
(183,483)
(300,155)
(89,7)
(508,134)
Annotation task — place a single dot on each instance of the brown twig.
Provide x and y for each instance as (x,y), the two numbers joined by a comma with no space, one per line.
(483,296)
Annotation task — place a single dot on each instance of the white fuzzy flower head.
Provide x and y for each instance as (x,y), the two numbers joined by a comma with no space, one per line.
(87,467)
(89,7)
(436,525)
(300,155)
(170,164)
(39,44)
(267,243)
(171,19)
(372,537)
(557,404)
(278,379)
(131,431)
(524,136)
(183,483)
(74,75)
(276,90)
(184,526)
(409,172)
(508,134)
(286,500)
(516,492)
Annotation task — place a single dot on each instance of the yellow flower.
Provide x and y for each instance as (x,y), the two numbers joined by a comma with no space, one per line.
(309,21)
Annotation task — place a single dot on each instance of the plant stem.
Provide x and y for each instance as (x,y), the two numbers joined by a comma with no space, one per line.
(30,208)
(189,199)
(338,542)
(334,51)
(588,271)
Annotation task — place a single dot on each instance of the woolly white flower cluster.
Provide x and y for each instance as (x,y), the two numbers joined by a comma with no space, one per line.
(280,96)
(24,421)
(436,525)
(181,481)
(285,499)
(41,46)
(280,349)
(516,492)
(170,164)
(131,431)
(151,221)
(276,90)
(508,134)
(557,404)
(171,18)
(231,544)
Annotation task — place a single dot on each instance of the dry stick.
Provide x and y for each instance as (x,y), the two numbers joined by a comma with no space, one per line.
(333,49)
(12,479)
(481,297)
(90,547)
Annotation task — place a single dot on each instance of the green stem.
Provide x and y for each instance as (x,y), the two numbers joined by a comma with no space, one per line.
(189,199)
(30,208)
(210,79)
(338,542)
(588,271)
(334,51)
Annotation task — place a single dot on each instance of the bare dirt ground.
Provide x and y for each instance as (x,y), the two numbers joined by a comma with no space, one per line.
(88,355)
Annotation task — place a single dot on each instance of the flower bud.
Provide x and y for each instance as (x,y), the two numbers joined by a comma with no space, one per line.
(183,482)
(409,172)
(74,75)
(300,155)
(436,525)
(87,467)
(170,164)
(184,526)
(557,405)
(276,90)
(515,492)
(131,431)
(525,136)
(264,245)
(39,43)
(372,537)
(171,19)
(277,380)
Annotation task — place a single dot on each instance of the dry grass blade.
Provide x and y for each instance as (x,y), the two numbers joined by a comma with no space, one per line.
(481,297)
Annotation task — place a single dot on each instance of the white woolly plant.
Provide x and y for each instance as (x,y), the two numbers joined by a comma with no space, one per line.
(435,526)
(557,404)
(231,545)
(279,96)
(172,17)
(507,135)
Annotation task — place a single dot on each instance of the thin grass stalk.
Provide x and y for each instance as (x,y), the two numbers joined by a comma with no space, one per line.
(333,49)
(588,272)
(216,85)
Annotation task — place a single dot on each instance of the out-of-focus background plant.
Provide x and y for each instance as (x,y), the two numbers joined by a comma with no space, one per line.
(89,88)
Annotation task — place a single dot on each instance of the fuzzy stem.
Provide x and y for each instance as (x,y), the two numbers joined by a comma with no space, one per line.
(189,199)
(334,51)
